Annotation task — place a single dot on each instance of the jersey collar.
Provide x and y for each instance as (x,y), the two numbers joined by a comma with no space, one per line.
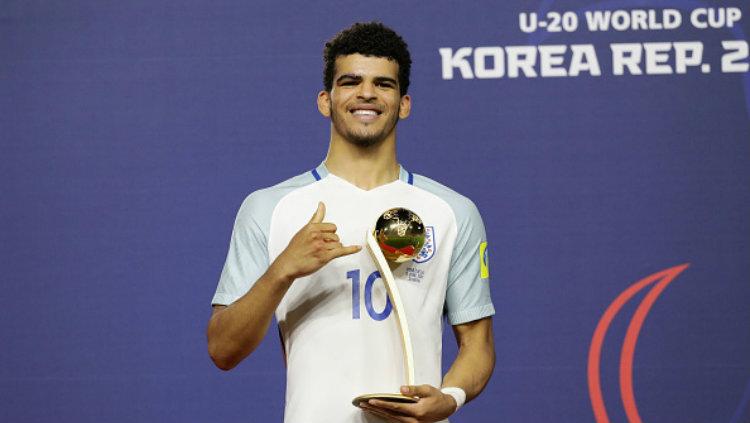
(404,175)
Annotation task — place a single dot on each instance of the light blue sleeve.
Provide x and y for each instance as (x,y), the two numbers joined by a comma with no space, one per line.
(247,259)
(468,296)
(468,293)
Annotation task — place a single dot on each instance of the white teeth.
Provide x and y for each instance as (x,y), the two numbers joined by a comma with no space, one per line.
(365,112)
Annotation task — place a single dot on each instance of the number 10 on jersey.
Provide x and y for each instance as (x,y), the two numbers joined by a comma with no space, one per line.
(354,276)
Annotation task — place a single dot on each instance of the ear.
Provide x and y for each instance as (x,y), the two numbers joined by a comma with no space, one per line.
(405,108)
(324,103)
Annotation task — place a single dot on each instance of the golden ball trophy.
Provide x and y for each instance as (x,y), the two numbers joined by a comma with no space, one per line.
(398,237)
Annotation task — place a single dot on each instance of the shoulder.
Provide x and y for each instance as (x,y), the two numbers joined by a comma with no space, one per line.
(463,208)
(259,205)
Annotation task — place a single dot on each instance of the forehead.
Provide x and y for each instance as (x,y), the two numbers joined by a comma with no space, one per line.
(364,66)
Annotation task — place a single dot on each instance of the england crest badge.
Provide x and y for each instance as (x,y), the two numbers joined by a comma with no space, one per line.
(430,246)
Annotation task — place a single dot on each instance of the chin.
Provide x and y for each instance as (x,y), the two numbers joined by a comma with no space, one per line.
(364,141)
(365,138)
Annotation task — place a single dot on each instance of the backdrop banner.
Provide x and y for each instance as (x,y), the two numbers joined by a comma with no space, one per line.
(606,144)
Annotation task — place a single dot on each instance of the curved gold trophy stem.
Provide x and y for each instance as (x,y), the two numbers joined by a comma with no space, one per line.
(403,326)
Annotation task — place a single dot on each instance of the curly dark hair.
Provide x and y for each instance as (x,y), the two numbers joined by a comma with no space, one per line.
(368,39)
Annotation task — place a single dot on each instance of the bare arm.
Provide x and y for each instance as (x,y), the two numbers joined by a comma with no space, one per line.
(235,331)
(470,371)
(476,357)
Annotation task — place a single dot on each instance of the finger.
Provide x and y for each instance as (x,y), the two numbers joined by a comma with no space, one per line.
(331,245)
(323,227)
(330,237)
(319,214)
(418,390)
(343,251)
(382,413)
(392,407)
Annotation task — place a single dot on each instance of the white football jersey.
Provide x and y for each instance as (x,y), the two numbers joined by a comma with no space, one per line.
(340,334)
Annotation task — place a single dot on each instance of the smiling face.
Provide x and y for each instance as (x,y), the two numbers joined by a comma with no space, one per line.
(364,103)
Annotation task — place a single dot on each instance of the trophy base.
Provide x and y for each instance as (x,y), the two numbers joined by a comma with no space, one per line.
(383,397)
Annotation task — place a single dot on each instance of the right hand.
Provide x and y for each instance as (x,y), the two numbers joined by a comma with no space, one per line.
(312,247)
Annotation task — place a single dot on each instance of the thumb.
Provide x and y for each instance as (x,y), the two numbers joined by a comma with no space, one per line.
(417,390)
(319,213)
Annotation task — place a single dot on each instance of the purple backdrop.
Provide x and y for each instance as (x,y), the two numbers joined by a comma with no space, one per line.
(131,132)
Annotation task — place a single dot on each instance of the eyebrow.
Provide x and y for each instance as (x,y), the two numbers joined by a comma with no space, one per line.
(359,78)
(348,76)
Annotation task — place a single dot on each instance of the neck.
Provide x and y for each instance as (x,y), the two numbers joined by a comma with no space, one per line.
(364,167)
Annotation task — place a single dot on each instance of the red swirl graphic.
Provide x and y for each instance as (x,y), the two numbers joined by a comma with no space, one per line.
(408,250)
(664,278)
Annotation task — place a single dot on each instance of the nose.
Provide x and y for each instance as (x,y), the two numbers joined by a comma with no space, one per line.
(366,91)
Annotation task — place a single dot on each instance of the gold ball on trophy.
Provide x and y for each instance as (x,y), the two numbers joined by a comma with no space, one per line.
(400,234)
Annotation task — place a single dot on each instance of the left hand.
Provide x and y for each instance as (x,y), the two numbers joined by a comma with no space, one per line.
(432,406)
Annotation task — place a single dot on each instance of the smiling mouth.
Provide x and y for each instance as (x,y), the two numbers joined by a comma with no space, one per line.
(365,115)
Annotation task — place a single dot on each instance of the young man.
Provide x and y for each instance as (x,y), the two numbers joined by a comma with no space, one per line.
(340,337)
